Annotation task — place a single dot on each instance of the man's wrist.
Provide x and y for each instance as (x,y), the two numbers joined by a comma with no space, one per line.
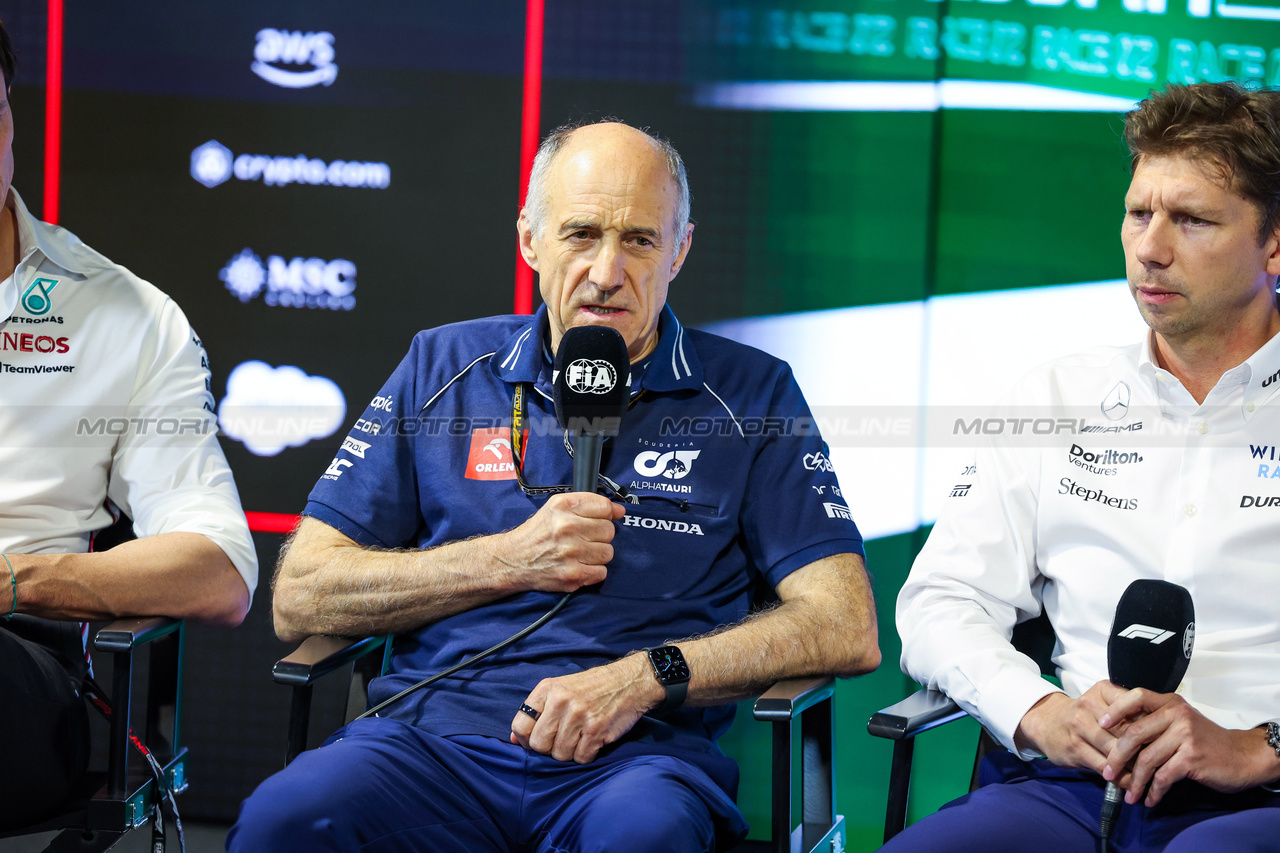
(1029,736)
(1271,732)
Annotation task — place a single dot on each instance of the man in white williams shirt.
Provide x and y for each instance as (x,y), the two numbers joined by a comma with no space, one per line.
(1172,477)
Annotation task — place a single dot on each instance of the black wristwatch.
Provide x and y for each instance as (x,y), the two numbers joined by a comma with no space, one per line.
(672,673)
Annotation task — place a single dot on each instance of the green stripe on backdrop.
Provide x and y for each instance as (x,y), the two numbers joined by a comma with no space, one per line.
(944,759)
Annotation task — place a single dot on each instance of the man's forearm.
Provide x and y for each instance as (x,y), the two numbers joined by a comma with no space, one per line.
(184,575)
(327,584)
(826,624)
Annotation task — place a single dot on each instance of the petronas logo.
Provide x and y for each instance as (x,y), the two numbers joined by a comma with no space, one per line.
(36,299)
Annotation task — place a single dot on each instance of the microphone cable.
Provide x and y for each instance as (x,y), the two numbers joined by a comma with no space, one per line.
(514,638)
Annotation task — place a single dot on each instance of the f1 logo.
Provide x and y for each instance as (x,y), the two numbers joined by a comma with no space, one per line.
(1146,632)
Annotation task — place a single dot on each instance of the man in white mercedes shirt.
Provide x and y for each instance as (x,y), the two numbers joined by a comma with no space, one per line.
(1171,477)
(104,408)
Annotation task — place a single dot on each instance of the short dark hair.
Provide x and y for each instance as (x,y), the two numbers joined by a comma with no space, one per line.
(1231,129)
(8,62)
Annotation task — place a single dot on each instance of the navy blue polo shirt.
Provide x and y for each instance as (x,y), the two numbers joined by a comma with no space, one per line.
(718,446)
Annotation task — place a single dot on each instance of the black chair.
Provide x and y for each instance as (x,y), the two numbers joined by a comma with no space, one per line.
(113,801)
(804,703)
(117,799)
(928,709)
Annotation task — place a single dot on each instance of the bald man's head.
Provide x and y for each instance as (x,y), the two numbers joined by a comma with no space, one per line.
(600,137)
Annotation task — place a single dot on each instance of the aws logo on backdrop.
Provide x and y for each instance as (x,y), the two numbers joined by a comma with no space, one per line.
(278,53)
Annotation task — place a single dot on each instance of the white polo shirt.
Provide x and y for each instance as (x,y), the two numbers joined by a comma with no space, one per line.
(1144,483)
(104,400)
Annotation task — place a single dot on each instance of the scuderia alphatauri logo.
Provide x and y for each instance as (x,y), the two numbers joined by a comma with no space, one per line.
(662,468)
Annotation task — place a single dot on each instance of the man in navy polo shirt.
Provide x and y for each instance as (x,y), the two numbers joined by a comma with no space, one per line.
(443,520)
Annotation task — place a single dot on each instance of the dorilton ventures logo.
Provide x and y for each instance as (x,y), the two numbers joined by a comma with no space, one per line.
(278,49)
(1103,462)
(214,163)
(298,283)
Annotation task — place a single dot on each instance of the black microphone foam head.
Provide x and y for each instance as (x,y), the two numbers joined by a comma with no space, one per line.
(1152,636)
(590,380)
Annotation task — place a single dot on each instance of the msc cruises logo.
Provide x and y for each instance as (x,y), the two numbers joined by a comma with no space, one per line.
(276,48)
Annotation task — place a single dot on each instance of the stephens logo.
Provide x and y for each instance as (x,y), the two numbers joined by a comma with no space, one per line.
(1101,461)
(674,465)
(35,299)
(591,376)
(281,47)
(1116,404)
(1067,486)
(490,456)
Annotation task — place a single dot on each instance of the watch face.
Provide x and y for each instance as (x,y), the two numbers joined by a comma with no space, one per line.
(669,664)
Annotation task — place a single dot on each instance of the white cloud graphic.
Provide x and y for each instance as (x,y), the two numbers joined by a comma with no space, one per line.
(271,408)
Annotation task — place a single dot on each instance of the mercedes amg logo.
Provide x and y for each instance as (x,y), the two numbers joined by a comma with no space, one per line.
(1116,404)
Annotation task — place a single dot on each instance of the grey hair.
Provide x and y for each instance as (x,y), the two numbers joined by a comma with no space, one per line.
(537,206)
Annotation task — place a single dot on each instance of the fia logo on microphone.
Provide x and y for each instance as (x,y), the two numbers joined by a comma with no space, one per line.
(591,376)
(1188,639)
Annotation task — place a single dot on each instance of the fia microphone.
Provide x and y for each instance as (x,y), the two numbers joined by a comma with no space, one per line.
(1150,647)
(591,384)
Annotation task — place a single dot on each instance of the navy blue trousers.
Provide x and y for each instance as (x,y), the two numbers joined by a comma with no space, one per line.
(1038,807)
(381,785)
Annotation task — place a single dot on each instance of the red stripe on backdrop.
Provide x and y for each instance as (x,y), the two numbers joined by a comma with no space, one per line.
(272,522)
(53,115)
(531,115)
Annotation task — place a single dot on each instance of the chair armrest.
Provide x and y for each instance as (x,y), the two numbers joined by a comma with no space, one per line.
(317,656)
(123,634)
(791,697)
(919,712)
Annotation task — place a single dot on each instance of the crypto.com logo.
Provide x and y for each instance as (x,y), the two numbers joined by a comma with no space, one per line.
(281,47)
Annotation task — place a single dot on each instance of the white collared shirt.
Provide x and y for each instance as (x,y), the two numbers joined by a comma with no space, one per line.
(104,401)
(1139,482)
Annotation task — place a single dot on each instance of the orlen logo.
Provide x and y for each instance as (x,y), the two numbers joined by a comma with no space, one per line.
(281,47)
(591,376)
(299,283)
(490,457)
(674,465)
